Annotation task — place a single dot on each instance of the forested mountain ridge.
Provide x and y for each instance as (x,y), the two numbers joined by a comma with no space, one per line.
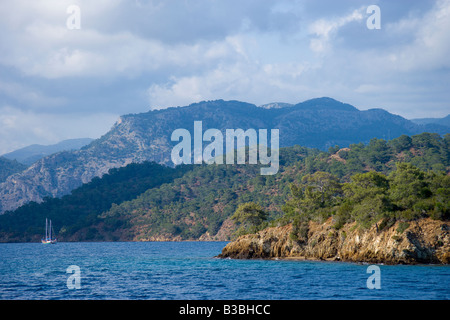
(196,201)
(80,209)
(445,121)
(317,123)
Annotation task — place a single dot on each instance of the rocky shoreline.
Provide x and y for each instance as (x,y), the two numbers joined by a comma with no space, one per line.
(424,241)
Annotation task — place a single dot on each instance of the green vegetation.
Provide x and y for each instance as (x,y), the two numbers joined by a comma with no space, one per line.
(9,167)
(402,226)
(381,182)
(407,193)
(80,210)
(250,217)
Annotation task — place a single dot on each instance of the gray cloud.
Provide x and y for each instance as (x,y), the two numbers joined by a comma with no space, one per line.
(129,57)
(175,21)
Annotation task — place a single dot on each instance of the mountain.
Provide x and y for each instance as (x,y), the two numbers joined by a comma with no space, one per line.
(149,201)
(34,152)
(317,123)
(74,214)
(440,121)
(9,167)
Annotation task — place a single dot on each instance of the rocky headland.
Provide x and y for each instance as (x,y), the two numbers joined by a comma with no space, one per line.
(424,241)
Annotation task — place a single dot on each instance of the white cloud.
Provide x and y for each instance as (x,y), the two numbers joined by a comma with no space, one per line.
(242,80)
(59,53)
(170,53)
(430,48)
(120,38)
(22,128)
(29,96)
(324,29)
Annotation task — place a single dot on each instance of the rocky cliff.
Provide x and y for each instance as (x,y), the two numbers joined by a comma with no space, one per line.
(318,123)
(129,140)
(423,241)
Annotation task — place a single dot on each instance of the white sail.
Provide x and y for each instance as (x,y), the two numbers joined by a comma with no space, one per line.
(49,233)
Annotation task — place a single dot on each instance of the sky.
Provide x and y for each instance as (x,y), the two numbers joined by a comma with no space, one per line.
(69,69)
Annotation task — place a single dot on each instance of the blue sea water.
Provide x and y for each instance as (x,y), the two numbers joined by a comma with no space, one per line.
(188,270)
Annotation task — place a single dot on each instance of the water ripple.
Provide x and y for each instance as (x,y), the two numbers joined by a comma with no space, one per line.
(188,270)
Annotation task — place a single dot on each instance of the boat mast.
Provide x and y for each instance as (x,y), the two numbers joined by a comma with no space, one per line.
(50,236)
(46,229)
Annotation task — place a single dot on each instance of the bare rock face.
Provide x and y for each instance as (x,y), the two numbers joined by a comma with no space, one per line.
(130,140)
(315,123)
(423,241)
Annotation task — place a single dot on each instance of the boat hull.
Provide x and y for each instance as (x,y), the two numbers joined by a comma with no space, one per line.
(49,234)
(48,241)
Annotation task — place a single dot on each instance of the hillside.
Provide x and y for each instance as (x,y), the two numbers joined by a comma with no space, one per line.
(423,241)
(32,153)
(317,123)
(197,203)
(73,215)
(445,121)
(9,167)
(379,216)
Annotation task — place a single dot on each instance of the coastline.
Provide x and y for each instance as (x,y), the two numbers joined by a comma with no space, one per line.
(425,241)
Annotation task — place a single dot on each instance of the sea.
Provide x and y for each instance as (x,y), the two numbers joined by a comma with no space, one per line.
(191,271)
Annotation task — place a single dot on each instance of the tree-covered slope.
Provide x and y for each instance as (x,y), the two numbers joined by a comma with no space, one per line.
(205,197)
(317,123)
(79,211)
(148,201)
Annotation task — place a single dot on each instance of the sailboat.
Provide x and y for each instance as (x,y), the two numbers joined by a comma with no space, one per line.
(49,233)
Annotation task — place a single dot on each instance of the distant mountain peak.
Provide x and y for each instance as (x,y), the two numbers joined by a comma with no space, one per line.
(316,123)
(445,121)
(34,152)
(325,103)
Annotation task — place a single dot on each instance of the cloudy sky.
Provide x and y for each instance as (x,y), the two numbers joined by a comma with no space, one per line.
(58,81)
